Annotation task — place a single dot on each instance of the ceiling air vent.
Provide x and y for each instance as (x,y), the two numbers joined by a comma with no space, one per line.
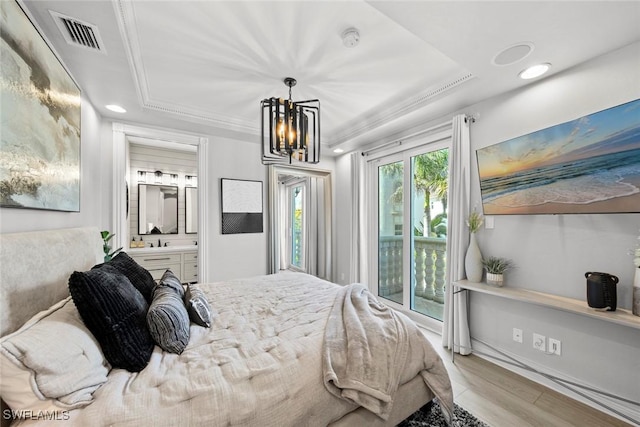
(78,33)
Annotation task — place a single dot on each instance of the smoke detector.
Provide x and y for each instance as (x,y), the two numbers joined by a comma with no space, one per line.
(350,37)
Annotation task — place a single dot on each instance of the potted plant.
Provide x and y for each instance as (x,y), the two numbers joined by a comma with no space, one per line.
(496,267)
(106,247)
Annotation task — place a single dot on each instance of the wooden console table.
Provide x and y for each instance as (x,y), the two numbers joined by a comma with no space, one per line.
(571,305)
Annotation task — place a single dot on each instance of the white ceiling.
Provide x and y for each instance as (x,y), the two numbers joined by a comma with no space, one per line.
(204,66)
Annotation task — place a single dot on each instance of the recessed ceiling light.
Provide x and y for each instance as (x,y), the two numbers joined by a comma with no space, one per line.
(338,150)
(115,108)
(534,71)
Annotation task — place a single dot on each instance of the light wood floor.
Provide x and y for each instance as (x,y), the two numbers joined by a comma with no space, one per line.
(502,398)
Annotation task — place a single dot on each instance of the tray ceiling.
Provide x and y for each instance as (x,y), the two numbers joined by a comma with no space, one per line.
(205,65)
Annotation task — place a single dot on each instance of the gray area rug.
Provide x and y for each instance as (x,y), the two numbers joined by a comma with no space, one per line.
(430,415)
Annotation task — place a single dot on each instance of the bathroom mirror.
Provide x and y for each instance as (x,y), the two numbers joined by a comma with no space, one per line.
(157,209)
(191,210)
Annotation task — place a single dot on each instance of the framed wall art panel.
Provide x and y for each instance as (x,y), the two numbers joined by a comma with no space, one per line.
(40,127)
(241,206)
(587,165)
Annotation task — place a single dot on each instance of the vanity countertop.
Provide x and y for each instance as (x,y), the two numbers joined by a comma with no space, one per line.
(148,250)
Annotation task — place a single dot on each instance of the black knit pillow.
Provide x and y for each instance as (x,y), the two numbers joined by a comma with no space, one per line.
(197,305)
(137,275)
(115,313)
(167,317)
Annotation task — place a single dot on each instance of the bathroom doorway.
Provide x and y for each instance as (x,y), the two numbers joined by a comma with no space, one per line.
(123,182)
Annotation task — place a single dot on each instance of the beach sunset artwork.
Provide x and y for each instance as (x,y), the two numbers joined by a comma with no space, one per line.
(587,165)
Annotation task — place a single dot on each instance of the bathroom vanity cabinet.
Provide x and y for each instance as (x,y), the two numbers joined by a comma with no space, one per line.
(183,261)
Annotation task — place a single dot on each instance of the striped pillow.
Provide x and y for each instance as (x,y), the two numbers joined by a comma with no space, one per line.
(167,317)
(197,306)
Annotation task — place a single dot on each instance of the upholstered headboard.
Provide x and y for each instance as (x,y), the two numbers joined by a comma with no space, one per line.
(35,269)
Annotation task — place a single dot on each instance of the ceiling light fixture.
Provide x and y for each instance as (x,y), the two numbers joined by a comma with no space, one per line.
(534,71)
(338,150)
(115,108)
(290,130)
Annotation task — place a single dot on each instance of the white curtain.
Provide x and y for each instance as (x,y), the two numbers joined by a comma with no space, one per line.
(280,214)
(358,250)
(455,332)
(317,264)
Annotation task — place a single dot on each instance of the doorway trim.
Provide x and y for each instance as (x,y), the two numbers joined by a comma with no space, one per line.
(121,133)
(273,200)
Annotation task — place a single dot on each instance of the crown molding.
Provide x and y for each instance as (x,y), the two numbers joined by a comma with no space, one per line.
(376,119)
(125,15)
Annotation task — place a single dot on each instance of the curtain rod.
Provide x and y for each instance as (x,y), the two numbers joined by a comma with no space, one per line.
(468,118)
(400,140)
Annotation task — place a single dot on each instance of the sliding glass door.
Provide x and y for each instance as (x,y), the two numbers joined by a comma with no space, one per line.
(391,249)
(411,222)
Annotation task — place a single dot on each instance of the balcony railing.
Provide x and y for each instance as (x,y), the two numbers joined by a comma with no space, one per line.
(429,268)
(296,250)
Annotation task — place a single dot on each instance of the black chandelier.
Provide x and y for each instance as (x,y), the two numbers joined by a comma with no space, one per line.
(290,130)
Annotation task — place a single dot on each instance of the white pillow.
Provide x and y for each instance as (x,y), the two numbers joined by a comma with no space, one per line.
(51,362)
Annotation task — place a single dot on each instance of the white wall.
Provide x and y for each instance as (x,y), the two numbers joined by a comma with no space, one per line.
(554,251)
(343,208)
(241,255)
(93,212)
(235,255)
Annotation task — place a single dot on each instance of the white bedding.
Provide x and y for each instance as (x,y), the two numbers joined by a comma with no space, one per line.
(258,365)
(370,349)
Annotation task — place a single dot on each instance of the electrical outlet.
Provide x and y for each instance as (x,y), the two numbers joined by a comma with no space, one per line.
(539,342)
(555,346)
(517,335)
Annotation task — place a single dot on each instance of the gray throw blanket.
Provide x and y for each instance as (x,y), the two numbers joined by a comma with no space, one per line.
(369,349)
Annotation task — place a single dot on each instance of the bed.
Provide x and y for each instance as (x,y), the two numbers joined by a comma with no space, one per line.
(285,350)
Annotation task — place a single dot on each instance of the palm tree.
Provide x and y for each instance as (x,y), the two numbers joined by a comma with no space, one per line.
(431,171)
(394,171)
(430,174)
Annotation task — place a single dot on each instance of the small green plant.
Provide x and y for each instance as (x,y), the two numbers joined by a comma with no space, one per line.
(497,265)
(475,220)
(106,247)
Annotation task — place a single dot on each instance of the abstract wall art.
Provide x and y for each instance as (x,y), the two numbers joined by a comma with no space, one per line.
(241,206)
(40,126)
